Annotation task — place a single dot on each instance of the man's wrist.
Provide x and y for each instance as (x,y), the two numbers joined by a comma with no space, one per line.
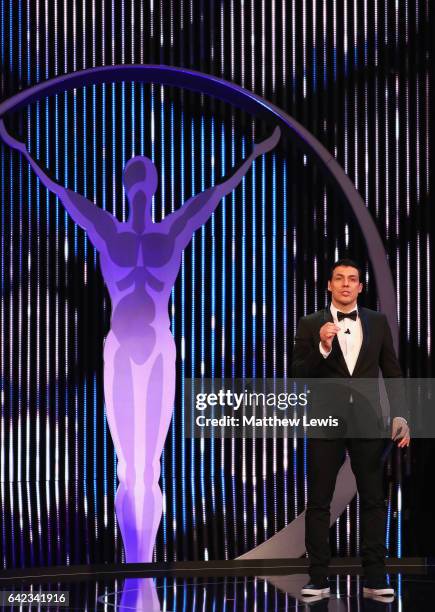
(323,351)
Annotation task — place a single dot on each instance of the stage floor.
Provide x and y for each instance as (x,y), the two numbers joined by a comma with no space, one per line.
(207,589)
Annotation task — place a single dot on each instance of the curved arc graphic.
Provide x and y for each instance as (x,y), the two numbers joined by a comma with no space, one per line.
(248,101)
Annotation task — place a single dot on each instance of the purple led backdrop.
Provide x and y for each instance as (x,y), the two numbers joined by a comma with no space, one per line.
(235,305)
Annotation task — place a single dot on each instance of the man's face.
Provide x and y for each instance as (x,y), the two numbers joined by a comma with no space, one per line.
(345,285)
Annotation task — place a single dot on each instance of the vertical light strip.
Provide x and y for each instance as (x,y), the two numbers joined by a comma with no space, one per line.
(133,88)
(104,206)
(254,325)
(162,203)
(304,47)
(95,453)
(295,439)
(242,43)
(19,393)
(183,348)
(232,39)
(283,44)
(38,259)
(2,300)
(243,336)
(263,47)
(47,303)
(74,312)
(274,360)
(85,261)
(356,94)
(222,37)
(252,27)
(29,308)
(234,444)
(66,316)
(213,323)
(223,283)
(314,44)
(173,330)
(233,288)
(12,528)
(11,346)
(11,452)
(366,132)
(387,161)
(376,169)
(264,441)
(57,281)
(4,559)
(123,160)
(428,93)
(428,294)
(29,458)
(346,96)
(20,285)
(202,340)
(273,45)
(334,39)
(285,442)
(397,174)
(192,341)
(264,294)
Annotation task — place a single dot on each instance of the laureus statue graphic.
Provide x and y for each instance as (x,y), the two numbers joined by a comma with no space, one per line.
(140,260)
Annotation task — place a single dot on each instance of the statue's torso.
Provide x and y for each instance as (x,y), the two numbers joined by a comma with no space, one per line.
(139,271)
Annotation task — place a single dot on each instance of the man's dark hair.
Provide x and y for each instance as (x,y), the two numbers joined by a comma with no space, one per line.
(346,262)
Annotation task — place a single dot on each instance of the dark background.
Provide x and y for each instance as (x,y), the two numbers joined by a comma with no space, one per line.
(357,75)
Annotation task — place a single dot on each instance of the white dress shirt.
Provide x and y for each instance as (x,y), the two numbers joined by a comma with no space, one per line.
(350,343)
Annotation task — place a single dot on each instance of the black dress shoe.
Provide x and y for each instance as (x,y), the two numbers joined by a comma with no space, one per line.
(317,586)
(377,587)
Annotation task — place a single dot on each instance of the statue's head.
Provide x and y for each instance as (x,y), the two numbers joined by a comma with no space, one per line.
(140,183)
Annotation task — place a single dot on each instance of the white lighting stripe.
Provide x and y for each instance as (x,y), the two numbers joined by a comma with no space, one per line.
(293,39)
(273,46)
(263,47)
(19,393)
(314,44)
(223,461)
(232,38)
(283,43)
(29,269)
(162,38)
(242,43)
(252,26)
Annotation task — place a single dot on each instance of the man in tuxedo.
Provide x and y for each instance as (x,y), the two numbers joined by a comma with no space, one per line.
(343,341)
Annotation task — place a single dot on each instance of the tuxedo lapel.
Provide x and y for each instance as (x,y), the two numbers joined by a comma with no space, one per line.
(362,313)
(337,353)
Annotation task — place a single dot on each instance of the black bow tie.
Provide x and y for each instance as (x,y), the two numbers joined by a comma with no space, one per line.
(342,315)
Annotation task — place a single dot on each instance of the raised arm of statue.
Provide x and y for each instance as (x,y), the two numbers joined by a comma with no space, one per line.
(98,224)
(197,210)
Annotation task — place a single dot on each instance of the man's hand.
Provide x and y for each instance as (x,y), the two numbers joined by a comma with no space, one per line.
(268,144)
(327,333)
(400,431)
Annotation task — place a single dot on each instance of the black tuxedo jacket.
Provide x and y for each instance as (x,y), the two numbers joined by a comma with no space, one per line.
(376,354)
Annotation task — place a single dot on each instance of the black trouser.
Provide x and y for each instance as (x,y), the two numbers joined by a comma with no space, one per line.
(325,457)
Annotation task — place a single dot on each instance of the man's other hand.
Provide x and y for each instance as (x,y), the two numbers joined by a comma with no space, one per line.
(400,432)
